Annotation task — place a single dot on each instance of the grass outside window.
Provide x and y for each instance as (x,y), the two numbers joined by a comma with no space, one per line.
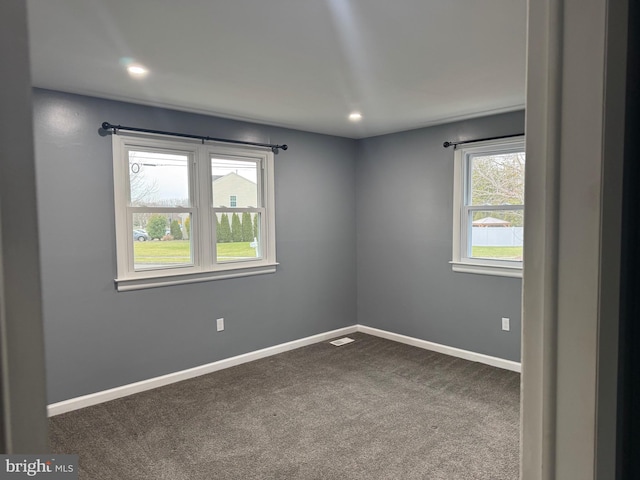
(178,252)
(501,253)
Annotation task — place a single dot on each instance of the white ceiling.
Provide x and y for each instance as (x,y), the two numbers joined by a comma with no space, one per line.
(304,64)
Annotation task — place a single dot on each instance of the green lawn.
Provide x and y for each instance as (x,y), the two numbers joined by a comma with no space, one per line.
(235,250)
(504,253)
(178,252)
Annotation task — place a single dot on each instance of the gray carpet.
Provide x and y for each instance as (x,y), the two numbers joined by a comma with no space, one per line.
(373,409)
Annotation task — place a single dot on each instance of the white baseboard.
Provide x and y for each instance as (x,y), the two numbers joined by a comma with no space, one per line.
(436,347)
(144,385)
(125,390)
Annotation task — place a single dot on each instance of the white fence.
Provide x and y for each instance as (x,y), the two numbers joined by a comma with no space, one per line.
(497,236)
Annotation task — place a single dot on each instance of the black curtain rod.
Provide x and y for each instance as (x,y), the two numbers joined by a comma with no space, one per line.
(274,148)
(455,144)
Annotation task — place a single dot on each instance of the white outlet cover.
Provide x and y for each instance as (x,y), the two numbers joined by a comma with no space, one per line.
(505,324)
(342,341)
(220,324)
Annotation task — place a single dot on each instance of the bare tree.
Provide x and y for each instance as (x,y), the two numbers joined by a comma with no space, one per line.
(143,191)
(499,180)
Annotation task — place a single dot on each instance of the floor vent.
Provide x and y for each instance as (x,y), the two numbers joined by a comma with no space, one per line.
(341,341)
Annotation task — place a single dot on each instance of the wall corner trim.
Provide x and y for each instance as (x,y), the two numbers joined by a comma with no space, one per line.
(144,385)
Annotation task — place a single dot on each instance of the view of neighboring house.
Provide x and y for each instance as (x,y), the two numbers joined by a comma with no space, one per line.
(233,190)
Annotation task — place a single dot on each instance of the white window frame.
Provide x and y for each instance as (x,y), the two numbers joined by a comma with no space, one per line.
(205,265)
(233,201)
(461,261)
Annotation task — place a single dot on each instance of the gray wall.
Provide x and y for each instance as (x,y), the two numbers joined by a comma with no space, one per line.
(97,338)
(404,225)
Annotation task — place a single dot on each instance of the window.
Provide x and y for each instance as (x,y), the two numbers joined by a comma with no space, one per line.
(488,214)
(173,224)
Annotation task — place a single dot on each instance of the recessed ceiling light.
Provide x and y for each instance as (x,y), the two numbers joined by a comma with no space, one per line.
(137,71)
(355,116)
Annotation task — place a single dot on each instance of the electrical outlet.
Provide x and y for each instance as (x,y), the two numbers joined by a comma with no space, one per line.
(220,324)
(505,324)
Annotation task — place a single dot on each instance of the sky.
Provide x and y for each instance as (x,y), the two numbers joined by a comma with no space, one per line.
(164,176)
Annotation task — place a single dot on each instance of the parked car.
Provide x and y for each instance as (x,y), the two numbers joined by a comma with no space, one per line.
(140,235)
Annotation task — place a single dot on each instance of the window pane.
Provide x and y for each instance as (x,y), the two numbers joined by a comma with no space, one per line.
(234,182)
(161,240)
(158,179)
(497,179)
(497,234)
(237,236)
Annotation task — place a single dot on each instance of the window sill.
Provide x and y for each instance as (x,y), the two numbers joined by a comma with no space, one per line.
(483,269)
(128,284)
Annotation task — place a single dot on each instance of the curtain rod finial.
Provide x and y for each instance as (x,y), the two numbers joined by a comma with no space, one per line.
(276,149)
(446,144)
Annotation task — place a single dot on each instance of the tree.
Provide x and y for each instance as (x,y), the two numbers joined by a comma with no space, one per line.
(176,231)
(247,228)
(236,228)
(499,180)
(156,226)
(140,219)
(143,191)
(224,229)
(187,226)
(255,225)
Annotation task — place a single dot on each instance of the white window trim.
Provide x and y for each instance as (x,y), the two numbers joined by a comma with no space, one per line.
(459,261)
(202,228)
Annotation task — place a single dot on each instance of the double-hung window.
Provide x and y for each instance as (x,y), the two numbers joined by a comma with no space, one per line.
(488,214)
(176,218)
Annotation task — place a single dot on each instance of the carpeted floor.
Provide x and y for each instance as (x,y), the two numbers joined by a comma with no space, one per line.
(373,409)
